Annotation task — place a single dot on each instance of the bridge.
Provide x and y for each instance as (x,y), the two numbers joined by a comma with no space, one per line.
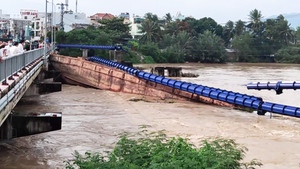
(17,75)
(24,74)
(21,73)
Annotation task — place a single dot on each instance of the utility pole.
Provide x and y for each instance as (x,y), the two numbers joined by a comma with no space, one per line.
(76,7)
(62,7)
(45,36)
(52,21)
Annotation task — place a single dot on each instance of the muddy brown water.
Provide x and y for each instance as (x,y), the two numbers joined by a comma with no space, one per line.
(93,119)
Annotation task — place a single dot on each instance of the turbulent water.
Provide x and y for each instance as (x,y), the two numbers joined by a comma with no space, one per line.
(93,119)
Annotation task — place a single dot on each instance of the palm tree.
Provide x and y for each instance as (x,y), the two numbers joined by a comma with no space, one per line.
(239,27)
(151,31)
(152,17)
(285,32)
(168,18)
(172,28)
(228,32)
(255,24)
(210,47)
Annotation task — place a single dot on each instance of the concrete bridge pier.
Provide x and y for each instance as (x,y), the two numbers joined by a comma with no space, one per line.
(6,129)
(45,82)
(85,53)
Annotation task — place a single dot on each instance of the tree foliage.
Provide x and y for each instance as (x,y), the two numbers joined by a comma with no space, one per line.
(193,40)
(156,151)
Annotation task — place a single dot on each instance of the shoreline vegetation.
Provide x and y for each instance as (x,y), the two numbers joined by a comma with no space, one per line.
(192,40)
(151,150)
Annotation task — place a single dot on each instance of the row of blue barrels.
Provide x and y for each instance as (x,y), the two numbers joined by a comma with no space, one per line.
(89,46)
(277,86)
(127,69)
(217,94)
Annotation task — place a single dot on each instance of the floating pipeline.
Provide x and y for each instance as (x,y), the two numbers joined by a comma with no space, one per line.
(89,47)
(277,86)
(218,94)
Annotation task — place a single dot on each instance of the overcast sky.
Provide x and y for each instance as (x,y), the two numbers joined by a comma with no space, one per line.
(220,10)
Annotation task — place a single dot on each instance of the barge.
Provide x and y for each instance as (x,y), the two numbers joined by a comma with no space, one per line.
(80,71)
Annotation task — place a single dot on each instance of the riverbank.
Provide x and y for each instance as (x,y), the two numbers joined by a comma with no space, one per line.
(93,119)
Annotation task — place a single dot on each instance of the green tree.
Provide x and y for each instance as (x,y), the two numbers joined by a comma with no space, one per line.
(242,45)
(151,49)
(168,18)
(116,28)
(210,48)
(285,32)
(239,27)
(156,151)
(151,31)
(229,32)
(289,54)
(180,46)
(255,24)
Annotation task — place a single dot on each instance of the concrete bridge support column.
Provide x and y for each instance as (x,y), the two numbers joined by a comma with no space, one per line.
(33,89)
(6,130)
(85,53)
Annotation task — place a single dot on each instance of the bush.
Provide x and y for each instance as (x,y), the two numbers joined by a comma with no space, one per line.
(148,59)
(156,151)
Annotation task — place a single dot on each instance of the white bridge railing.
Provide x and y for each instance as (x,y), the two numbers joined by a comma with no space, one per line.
(13,64)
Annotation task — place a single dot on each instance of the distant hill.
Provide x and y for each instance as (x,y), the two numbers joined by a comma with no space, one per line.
(292,18)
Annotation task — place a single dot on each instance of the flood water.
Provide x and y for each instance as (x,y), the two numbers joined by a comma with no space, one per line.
(94,119)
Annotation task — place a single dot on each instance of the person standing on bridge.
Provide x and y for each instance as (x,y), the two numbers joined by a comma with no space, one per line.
(14,49)
(21,47)
(27,45)
(2,46)
(3,51)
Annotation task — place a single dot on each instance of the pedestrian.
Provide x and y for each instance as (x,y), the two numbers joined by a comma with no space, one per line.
(27,45)
(2,47)
(14,50)
(21,47)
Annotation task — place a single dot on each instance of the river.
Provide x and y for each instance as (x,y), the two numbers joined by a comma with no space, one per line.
(93,119)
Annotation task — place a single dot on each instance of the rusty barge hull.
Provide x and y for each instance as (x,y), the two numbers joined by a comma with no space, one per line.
(82,72)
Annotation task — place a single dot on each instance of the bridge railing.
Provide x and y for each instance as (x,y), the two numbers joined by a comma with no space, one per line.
(13,64)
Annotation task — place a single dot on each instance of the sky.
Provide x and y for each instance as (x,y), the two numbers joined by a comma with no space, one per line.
(220,10)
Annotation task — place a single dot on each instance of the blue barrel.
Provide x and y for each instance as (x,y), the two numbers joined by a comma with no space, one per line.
(152,77)
(185,86)
(192,88)
(240,100)
(141,74)
(214,94)
(171,83)
(231,99)
(223,97)
(178,85)
(200,90)
(159,79)
(292,111)
(267,106)
(147,76)
(165,81)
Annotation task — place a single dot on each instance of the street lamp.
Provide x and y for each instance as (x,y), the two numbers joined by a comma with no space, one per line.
(52,23)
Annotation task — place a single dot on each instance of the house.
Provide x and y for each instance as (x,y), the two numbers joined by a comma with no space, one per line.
(126,17)
(100,16)
(80,26)
(136,22)
(231,54)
